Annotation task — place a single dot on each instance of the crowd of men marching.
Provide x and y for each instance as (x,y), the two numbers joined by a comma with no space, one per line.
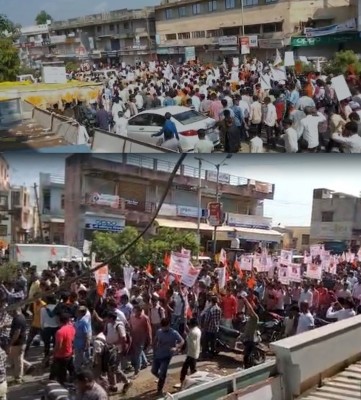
(100,336)
(254,103)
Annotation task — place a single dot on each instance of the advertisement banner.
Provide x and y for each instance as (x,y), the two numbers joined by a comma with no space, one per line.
(253,41)
(102,199)
(302,41)
(215,214)
(222,178)
(103,223)
(190,53)
(348,26)
(178,263)
(248,221)
(185,211)
(245,47)
(228,41)
(270,43)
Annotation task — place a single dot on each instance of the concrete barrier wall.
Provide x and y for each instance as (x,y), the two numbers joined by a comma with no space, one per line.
(106,142)
(304,360)
(42,117)
(222,387)
(65,129)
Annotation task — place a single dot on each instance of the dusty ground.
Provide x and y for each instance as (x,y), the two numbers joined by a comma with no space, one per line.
(144,387)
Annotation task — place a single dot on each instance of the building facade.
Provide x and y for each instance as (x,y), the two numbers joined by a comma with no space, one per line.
(113,37)
(52,205)
(335,217)
(296,238)
(106,195)
(214,27)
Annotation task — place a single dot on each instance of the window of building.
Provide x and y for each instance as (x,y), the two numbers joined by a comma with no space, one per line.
(212,5)
(270,1)
(171,36)
(327,216)
(252,29)
(234,31)
(4,202)
(182,11)
(184,35)
(305,240)
(169,13)
(196,8)
(111,27)
(198,34)
(214,33)
(15,199)
(62,201)
(46,201)
(273,27)
(99,29)
(126,25)
(250,3)
(230,4)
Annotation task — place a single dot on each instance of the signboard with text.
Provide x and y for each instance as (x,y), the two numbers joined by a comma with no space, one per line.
(215,214)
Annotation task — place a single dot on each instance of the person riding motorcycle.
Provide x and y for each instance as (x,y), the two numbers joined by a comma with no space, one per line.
(250,330)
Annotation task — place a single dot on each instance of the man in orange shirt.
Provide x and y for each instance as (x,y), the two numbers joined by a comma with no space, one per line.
(229,309)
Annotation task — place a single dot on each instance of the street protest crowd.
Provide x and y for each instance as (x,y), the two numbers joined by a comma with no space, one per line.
(99,332)
(266,105)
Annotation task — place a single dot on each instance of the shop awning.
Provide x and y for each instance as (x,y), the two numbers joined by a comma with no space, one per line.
(242,233)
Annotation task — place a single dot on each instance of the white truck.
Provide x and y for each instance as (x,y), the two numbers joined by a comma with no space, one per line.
(41,254)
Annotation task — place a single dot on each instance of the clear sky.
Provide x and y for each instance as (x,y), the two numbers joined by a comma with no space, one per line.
(25,11)
(295,177)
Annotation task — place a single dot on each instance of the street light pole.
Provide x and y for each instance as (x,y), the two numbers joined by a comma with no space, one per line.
(199,203)
(218,166)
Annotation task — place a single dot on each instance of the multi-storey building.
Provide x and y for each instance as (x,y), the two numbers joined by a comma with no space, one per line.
(21,215)
(335,217)
(107,194)
(51,204)
(214,27)
(116,36)
(4,202)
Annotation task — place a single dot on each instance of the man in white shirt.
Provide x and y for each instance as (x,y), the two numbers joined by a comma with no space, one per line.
(203,145)
(306,321)
(117,106)
(121,125)
(290,137)
(349,140)
(193,349)
(306,296)
(270,119)
(139,101)
(255,116)
(343,312)
(256,144)
(309,128)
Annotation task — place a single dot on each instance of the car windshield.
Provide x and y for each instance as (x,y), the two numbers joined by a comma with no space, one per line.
(189,117)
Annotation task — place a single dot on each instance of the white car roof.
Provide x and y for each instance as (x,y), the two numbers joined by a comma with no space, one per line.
(164,110)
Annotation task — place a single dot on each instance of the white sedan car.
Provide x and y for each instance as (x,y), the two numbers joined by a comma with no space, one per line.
(187,121)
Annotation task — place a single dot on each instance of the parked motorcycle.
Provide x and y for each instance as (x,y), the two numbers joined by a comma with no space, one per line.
(232,340)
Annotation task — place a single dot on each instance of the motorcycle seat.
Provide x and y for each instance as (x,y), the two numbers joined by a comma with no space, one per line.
(229,331)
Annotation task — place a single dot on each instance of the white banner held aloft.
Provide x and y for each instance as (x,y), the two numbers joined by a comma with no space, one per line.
(314,271)
(102,274)
(286,257)
(128,277)
(283,275)
(294,272)
(221,272)
(289,59)
(178,263)
(265,81)
(341,88)
(278,74)
(246,263)
(190,276)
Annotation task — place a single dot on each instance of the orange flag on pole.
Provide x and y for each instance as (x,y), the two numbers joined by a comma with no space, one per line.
(166,259)
(149,269)
(237,267)
(100,288)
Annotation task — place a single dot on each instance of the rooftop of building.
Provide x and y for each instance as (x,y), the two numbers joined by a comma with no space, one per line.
(110,16)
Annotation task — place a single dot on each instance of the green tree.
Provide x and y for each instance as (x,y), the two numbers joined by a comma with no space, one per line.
(9,56)
(8,272)
(342,61)
(152,250)
(42,18)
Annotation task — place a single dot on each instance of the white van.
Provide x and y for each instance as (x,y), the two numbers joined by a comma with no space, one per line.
(41,254)
(25,78)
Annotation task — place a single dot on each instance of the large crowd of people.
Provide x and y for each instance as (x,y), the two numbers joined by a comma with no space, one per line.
(100,335)
(250,104)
